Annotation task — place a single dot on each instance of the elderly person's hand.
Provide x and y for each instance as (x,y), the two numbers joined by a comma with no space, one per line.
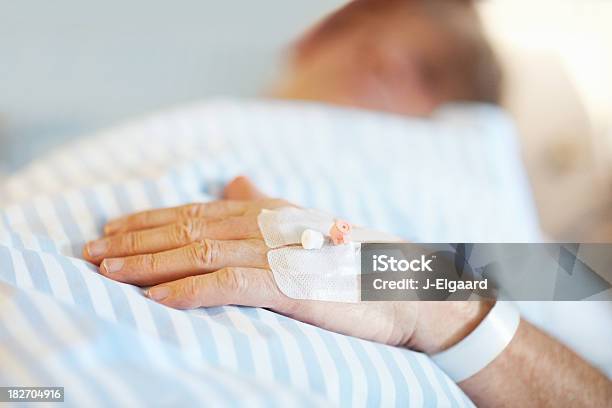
(212,254)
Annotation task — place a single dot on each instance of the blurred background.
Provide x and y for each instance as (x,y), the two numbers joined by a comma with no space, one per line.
(69,67)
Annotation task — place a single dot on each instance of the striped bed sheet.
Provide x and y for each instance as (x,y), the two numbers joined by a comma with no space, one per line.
(63,324)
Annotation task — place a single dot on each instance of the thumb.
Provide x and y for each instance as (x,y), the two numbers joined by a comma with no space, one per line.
(227,286)
(241,188)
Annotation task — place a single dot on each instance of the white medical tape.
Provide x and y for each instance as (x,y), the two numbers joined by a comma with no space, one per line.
(284,226)
(331,272)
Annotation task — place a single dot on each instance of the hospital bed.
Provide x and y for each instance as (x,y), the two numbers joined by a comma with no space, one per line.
(455,178)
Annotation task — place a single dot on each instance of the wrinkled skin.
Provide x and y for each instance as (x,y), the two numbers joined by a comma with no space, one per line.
(211,254)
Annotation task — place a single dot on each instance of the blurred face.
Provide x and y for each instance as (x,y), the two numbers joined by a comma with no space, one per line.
(396,56)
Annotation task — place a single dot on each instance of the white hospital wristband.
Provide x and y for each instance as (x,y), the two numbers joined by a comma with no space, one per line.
(482,345)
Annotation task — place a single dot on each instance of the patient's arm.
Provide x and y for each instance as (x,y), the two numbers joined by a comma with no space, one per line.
(212,254)
(536,370)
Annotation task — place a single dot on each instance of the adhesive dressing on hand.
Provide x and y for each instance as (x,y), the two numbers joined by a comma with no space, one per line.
(326,273)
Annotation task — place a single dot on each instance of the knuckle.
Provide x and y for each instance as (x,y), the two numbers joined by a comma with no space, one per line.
(131,242)
(150,262)
(191,288)
(205,252)
(184,231)
(232,281)
(277,299)
(192,211)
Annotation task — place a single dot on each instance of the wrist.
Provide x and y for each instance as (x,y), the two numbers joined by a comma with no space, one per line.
(441,325)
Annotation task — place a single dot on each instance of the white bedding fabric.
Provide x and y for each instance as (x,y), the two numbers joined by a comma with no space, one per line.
(456,178)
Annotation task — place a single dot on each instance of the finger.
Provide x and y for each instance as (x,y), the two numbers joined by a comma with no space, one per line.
(172,236)
(194,259)
(164,216)
(227,286)
(241,188)
(256,287)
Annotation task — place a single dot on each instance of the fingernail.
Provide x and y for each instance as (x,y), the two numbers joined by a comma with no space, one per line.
(158,293)
(113,264)
(97,248)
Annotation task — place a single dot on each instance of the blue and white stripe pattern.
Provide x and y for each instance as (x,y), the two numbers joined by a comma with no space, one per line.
(63,324)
